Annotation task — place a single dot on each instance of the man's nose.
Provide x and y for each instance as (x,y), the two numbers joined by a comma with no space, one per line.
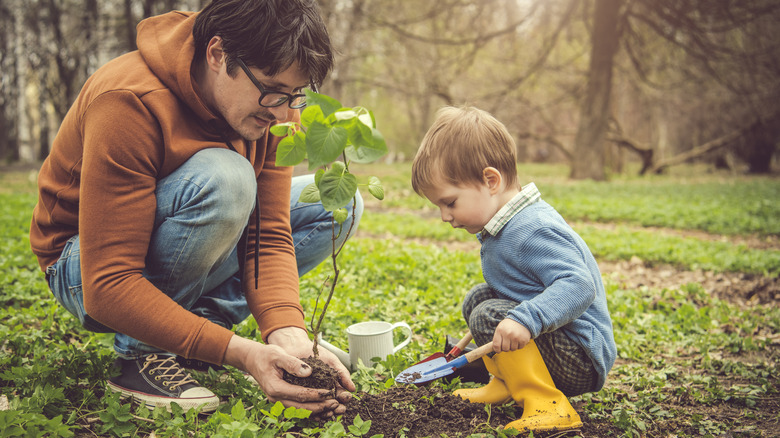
(280,112)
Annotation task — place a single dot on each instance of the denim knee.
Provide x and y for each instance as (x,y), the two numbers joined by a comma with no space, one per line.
(202,209)
(233,178)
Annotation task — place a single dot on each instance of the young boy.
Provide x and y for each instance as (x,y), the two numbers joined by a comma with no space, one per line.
(543,304)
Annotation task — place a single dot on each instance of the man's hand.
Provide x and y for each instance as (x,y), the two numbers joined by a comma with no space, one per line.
(297,343)
(510,335)
(267,363)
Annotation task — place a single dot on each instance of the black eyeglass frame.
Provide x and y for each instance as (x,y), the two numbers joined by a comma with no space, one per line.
(284,97)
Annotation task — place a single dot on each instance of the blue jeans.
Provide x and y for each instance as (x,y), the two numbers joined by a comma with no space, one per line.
(202,209)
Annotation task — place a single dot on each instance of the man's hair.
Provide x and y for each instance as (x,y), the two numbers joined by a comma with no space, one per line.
(459,145)
(268,34)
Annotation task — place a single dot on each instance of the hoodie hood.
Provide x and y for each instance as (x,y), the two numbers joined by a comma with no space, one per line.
(166,44)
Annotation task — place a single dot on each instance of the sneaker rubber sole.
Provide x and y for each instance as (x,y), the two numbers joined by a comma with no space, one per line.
(192,398)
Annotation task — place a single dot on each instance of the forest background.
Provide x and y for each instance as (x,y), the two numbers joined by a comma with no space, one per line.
(595,84)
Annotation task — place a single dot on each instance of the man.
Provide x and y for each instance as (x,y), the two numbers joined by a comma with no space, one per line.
(162,216)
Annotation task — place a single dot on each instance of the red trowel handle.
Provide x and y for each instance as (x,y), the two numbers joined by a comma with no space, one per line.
(458,348)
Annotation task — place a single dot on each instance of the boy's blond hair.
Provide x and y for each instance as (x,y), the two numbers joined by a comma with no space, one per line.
(460,144)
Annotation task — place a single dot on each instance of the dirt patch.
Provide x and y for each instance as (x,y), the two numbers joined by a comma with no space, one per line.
(424,412)
(746,290)
(413,411)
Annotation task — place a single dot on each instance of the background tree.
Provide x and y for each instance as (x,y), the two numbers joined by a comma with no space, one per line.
(708,75)
(588,158)
(9,85)
(576,81)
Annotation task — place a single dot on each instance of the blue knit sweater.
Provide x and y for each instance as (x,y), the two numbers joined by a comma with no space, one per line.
(538,260)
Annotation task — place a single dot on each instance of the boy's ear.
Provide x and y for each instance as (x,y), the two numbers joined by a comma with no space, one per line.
(493,179)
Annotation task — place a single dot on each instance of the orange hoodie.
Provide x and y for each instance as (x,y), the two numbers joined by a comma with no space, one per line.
(137,119)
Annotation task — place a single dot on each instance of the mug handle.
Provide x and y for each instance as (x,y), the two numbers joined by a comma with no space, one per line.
(408,338)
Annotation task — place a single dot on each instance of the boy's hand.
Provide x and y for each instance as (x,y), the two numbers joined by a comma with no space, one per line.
(510,335)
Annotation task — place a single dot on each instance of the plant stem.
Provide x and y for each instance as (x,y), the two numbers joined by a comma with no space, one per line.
(334,258)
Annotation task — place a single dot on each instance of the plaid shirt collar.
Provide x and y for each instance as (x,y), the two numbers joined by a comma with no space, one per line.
(526,197)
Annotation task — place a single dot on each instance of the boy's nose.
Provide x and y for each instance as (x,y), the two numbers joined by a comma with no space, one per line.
(446,217)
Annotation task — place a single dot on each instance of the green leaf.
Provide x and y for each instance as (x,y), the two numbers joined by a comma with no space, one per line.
(340,215)
(324,144)
(312,114)
(337,166)
(296,413)
(345,114)
(318,176)
(238,412)
(291,150)
(368,151)
(366,116)
(310,194)
(327,104)
(337,187)
(359,133)
(277,409)
(283,129)
(375,188)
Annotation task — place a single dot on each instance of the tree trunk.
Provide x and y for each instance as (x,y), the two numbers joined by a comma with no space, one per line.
(8,96)
(588,159)
(760,144)
(129,26)
(43,121)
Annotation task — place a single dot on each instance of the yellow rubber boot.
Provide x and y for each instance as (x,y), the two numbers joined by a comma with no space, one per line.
(494,393)
(528,380)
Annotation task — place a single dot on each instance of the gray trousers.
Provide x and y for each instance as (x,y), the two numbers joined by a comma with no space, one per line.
(569,365)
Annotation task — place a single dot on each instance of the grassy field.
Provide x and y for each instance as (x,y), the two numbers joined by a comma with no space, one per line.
(690,261)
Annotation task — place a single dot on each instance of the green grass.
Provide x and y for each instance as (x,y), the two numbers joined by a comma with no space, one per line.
(689,364)
(724,207)
(709,202)
(615,243)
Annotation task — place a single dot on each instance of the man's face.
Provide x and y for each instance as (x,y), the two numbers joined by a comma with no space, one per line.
(236,98)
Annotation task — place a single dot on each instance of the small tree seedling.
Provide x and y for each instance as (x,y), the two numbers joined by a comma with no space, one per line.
(328,131)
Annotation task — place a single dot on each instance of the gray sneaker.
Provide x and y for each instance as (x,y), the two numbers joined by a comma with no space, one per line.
(158,380)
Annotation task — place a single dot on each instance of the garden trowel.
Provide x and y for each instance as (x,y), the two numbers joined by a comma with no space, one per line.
(439,367)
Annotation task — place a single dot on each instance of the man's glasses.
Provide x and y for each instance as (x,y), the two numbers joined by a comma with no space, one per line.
(272,98)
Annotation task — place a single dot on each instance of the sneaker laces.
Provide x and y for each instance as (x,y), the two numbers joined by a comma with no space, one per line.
(167,368)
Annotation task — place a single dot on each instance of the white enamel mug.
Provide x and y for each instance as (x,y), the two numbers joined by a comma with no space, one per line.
(368,340)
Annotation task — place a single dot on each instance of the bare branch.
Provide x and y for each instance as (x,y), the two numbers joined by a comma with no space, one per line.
(697,151)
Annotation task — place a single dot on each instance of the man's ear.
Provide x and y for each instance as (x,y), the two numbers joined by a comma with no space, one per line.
(215,56)
(493,179)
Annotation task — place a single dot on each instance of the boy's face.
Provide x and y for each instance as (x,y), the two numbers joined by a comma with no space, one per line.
(469,207)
